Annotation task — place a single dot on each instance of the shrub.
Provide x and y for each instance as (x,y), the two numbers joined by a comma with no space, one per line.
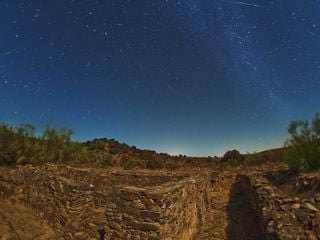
(18,145)
(154,164)
(233,156)
(107,161)
(127,163)
(304,145)
(253,159)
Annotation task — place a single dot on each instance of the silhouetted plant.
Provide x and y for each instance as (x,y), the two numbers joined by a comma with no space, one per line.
(304,145)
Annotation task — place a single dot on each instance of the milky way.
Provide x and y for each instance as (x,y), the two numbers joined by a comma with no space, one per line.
(194,77)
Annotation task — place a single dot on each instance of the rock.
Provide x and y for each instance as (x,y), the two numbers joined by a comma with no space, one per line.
(285,207)
(271,223)
(310,207)
(295,206)
(130,196)
(150,214)
(137,204)
(317,197)
(127,217)
(154,196)
(310,235)
(268,189)
(81,236)
(302,215)
(287,200)
(144,226)
(114,225)
(316,220)
(92,225)
(116,235)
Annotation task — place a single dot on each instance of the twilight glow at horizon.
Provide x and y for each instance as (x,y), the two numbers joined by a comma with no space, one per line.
(195,77)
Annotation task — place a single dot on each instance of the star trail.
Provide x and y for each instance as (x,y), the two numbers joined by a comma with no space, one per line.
(195,77)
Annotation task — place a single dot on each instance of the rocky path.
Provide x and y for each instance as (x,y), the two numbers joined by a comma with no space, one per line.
(18,222)
(230,217)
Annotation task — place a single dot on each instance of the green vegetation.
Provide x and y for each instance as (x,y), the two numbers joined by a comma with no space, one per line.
(109,152)
(253,159)
(154,164)
(233,157)
(304,145)
(127,163)
(19,145)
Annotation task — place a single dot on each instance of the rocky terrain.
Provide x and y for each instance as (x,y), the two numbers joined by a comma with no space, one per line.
(109,152)
(215,199)
(70,202)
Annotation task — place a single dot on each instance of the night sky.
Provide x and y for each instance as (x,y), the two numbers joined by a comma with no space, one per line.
(195,77)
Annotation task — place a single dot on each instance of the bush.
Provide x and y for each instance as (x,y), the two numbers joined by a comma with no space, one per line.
(233,156)
(304,145)
(154,164)
(127,163)
(18,145)
(253,159)
(107,161)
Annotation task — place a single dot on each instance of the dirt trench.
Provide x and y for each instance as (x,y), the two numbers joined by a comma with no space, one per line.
(231,217)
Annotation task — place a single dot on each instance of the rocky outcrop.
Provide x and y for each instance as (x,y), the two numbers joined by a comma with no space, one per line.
(280,216)
(308,183)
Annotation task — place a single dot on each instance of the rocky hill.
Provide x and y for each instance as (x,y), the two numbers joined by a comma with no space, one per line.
(110,152)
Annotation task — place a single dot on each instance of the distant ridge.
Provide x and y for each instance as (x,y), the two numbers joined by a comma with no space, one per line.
(110,152)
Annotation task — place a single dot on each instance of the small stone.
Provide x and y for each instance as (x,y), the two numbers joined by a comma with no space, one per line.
(310,207)
(150,214)
(270,229)
(116,235)
(155,196)
(287,200)
(129,196)
(295,206)
(271,223)
(317,197)
(137,204)
(316,220)
(144,226)
(302,215)
(285,208)
(115,226)
(127,217)
(81,235)
(276,215)
(268,189)
(310,235)
(92,225)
